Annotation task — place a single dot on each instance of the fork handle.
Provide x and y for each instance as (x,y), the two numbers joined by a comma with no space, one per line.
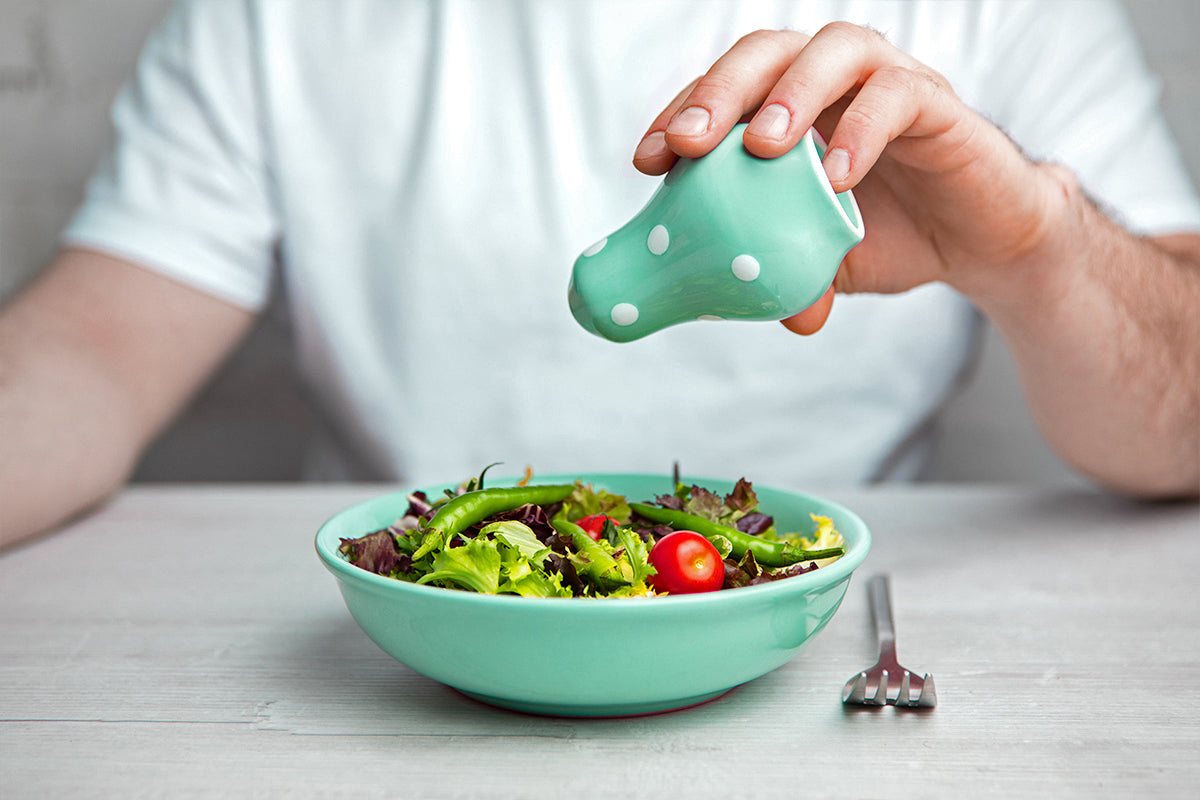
(879,592)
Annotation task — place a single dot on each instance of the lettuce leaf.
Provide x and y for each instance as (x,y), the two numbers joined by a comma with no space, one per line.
(826,536)
(587,500)
(523,578)
(533,517)
(375,552)
(474,566)
(518,536)
(703,503)
(742,498)
(634,560)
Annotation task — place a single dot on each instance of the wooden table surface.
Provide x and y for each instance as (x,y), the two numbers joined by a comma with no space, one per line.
(185,641)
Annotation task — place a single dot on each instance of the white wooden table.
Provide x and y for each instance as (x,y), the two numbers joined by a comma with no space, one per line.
(185,641)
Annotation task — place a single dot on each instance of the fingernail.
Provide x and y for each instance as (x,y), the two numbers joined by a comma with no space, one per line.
(771,122)
(837,164)
(692,121)
(652,146)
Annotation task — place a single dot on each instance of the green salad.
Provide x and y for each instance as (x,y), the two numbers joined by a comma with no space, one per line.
(575,540)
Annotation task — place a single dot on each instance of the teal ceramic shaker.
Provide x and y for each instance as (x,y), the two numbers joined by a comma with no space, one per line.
(727,236)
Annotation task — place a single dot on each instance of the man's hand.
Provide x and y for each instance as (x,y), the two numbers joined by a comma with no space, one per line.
(944,193)
(1104,326)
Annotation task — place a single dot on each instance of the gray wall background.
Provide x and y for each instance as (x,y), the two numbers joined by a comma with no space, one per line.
(61,62)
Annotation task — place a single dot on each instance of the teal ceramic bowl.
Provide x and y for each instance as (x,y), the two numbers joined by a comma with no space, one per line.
(596,657)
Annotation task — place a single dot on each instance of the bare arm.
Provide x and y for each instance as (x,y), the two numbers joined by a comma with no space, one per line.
(1104,326)
(96,356)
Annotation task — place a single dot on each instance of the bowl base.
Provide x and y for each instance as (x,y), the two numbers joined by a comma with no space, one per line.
(591,710)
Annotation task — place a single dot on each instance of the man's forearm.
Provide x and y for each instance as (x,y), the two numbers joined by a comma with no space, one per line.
(1105,331)
(63,448)
(96,356)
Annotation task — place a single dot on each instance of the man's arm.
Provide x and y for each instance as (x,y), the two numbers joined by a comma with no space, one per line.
(96,356)
(1104,326)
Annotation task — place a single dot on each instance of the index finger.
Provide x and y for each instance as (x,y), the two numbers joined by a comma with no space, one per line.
(733,87)
(652,155)
(836,61)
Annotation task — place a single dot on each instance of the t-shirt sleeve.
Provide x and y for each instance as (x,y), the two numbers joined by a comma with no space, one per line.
(185,188)
(1073,87)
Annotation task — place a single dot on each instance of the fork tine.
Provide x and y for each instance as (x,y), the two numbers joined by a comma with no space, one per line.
(880,696)
(928,698)
(904,696)
(856,689)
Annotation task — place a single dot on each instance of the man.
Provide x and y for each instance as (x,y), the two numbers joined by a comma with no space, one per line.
(425,173)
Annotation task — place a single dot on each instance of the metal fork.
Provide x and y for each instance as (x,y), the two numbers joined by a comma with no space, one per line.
(887,683)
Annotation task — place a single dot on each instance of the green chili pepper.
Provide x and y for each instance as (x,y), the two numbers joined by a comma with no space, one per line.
(598,560)
(772,554)
(466,509)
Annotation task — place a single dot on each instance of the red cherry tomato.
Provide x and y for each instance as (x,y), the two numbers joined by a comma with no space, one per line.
(594,525)
(686,563)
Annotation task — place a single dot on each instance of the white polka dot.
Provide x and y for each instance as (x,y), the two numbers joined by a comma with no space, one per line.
(745,267)
(710,318)
(596,248)
(659,240)
(624,314)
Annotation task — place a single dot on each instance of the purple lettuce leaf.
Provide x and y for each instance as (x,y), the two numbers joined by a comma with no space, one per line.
(780,573)
(534,517)
(669,501)
(703,503)
(561,564)
(735,576)
(419,505)
(742,498)
(754,523)
(376,552)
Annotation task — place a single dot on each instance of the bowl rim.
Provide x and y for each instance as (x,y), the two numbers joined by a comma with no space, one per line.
(858,546)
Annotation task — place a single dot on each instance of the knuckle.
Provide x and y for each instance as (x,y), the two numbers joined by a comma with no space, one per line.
(845,31)
(895,79)
(758,37)
(783,41)
(911,81)
(798,84)
(934,80)
(713,85)
(860,116)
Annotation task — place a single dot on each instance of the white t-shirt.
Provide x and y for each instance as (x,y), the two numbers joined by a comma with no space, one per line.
(426,172)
